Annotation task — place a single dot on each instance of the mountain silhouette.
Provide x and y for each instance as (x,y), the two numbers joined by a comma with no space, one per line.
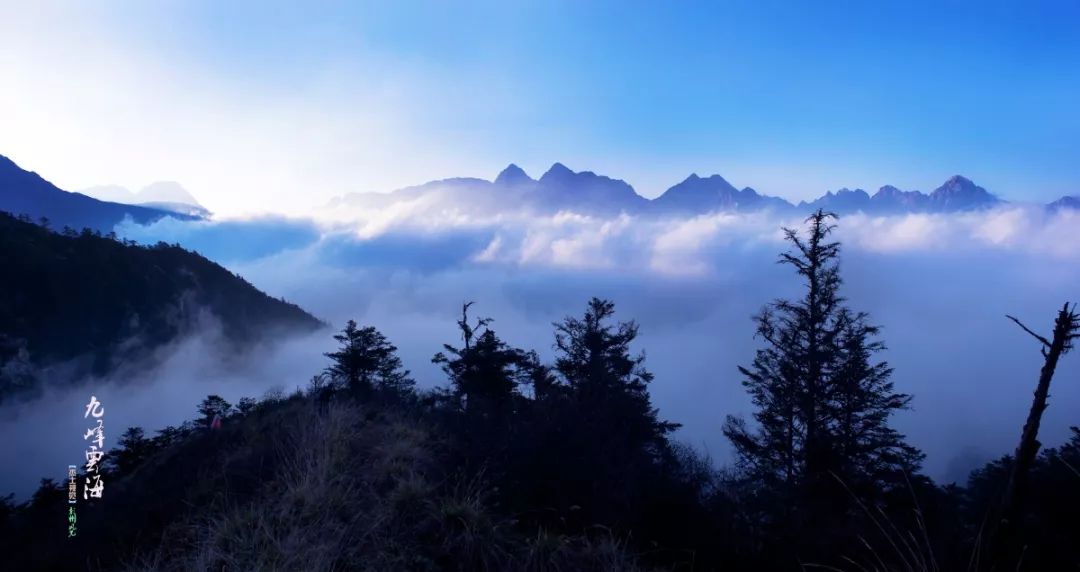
(892,200)
(24,192)
(1072,202)
(162,195)
(561,188)
(959,193)
(696,194)
(842,201)
(513,175)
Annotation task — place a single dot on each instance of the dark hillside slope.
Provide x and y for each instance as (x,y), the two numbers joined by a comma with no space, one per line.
(294,483)
(97,301)
(24,192)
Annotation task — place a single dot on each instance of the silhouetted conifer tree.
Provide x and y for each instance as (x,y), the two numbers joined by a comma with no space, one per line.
(545,385)
(1044,528)
(246,405)
(133,448)
(484,372)
(823,405)
(49,493)
(869,453)
(593,447)
(609,384)
(367,362)
(213,405)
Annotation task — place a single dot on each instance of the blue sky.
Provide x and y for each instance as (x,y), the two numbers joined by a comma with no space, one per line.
(280,105)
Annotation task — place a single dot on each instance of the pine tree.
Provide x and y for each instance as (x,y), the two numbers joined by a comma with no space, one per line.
(133,448)
(608,383)
(367,362)
(823,405)
(597,447)
(869,453)
(545,385)
(246,405)
(213,405)
(485,372)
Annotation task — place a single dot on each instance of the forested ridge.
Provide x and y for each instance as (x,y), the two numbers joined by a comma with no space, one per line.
(515,463)
(91,301)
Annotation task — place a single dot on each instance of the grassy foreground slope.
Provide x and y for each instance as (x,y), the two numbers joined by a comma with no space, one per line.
(307,482)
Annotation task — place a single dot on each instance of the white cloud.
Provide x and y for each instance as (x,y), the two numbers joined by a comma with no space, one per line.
(690,246)
(1025,228)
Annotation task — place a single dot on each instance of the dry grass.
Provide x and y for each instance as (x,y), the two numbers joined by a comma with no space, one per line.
(891,549)
(361,490)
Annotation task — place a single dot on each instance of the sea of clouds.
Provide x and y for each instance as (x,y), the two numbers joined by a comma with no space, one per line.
(939,284)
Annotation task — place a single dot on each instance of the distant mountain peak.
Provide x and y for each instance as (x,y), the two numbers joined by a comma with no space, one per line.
(712,193)
(165,192)
(959,180)
(110,193)
(959,192)
(843,200)
(557,170)
(712,183)
(1066,202)
(959,184)
(714,178)
(512,175)
(891,199)
(157,193)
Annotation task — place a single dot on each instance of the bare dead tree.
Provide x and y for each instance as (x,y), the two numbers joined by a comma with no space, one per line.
(1066,329)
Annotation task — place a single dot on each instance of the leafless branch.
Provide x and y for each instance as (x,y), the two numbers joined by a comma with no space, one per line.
(1025,328)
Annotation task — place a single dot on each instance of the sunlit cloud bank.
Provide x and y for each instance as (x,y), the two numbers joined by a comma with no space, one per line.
(1024,229)
(430,234)
(685,244)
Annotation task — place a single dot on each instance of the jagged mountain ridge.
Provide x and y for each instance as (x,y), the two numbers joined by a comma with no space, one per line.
(561,188)
(956,194)
(697,194)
